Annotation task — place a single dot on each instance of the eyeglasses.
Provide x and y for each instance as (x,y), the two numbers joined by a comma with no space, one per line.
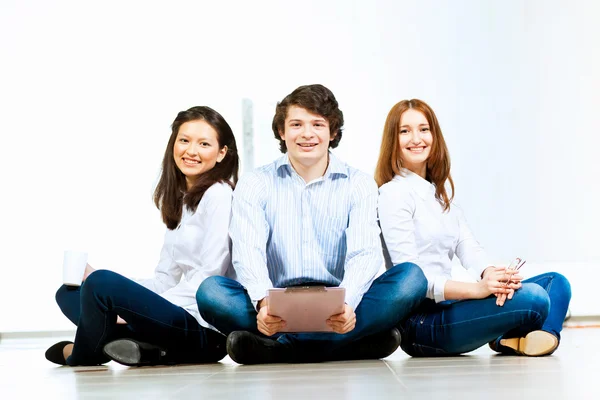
(516,265)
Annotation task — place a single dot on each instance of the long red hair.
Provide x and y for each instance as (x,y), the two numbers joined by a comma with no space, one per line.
(390,162)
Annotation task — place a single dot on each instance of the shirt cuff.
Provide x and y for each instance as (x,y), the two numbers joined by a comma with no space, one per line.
(353,298)
(257,293)
(439,284)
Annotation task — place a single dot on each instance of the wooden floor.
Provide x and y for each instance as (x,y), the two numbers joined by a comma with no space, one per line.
(573,372)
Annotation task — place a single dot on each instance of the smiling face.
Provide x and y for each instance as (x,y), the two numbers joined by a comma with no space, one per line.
(196,149)
(415,141)
(307,138)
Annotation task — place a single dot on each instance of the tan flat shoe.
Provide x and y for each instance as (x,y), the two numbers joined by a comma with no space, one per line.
(536,343)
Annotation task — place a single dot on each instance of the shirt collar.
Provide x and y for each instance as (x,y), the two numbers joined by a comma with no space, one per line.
(282,161)
(336,166)
(423,187)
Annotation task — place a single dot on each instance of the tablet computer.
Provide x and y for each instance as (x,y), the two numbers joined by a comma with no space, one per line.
(306,308)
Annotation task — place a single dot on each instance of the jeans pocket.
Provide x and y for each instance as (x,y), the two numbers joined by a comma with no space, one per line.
(418,329)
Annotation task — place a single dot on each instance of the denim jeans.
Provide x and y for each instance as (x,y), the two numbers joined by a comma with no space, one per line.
(225,304)
(455,327)
(94,307)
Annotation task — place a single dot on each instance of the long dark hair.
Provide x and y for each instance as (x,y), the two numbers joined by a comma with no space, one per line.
(390,161)
(171,192)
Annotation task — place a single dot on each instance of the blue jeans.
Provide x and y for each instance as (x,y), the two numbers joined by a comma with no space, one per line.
(455,327)
(224,303)
(94,307)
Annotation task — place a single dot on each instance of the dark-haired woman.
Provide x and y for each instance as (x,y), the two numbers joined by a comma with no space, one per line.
(421,224)
(156,321)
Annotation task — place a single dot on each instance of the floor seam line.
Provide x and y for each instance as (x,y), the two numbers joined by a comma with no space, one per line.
(395,375)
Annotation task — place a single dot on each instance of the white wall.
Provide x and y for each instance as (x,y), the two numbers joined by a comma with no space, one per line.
(88,91)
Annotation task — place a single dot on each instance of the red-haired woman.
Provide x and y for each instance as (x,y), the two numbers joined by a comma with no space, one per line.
(420,224)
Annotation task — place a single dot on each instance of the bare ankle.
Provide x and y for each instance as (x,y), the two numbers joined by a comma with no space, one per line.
(67,350)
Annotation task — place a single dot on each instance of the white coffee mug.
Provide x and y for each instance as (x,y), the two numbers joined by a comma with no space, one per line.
(74,263)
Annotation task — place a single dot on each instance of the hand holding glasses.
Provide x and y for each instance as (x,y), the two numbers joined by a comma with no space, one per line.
(514,266)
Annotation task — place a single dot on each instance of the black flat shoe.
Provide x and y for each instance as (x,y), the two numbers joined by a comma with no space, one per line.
(135,354)
(248,348)
(373,347)
(55,353)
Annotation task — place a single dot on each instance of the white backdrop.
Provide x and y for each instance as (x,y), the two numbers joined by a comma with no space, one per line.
(88,91)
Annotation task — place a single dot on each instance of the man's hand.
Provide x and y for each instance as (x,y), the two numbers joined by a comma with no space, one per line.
(268,324)
(343,322)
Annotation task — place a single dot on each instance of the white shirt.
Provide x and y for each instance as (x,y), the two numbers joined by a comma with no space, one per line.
(286,231)
(416,229)
(198,248)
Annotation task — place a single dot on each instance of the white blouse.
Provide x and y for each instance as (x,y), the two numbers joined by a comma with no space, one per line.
(416,229)
(198,248)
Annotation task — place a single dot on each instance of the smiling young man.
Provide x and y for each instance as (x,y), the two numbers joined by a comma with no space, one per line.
(309,218)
